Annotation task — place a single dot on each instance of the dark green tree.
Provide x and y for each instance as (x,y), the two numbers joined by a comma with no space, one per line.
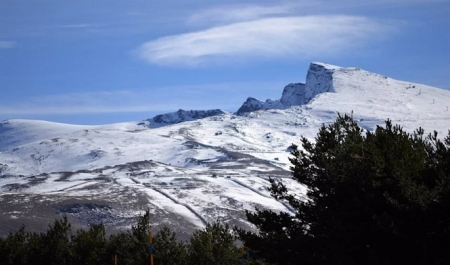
(3,250)
(13,248)
(132,247)
(140,238)
(22,247)
(56,244)
(168,250)
(213,245)
(35,245)
(120,244)
(377,197)
(89,246)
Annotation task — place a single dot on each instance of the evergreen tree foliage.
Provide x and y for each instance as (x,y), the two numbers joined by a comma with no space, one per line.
(120,245)
(132,247)
(89,246)
(56,247)
(379,197)
(140,239)
(213,245)
(15,245)
(169,251)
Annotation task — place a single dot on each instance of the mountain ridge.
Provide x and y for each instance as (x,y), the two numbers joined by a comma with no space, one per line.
(215,162)
(296,94)
(321,78)
(180,116)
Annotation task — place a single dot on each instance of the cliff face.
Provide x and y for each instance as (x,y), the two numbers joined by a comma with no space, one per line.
(293,94)
(318,80)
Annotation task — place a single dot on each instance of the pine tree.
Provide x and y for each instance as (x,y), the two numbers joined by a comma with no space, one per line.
(56,247)
(213,245)
(373,198)
(89,246)
(168,251)
(132,247)
(13,248)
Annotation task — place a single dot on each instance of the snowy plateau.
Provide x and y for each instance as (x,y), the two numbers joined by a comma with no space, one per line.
(192,167)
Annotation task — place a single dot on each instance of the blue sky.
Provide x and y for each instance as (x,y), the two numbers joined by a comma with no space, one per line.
(103,61)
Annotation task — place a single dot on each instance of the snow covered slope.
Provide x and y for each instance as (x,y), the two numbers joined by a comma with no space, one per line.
(372,96)
(193,167)
(331,89)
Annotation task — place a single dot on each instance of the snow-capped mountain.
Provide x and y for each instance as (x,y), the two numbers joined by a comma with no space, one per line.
(356,85)
(193,167)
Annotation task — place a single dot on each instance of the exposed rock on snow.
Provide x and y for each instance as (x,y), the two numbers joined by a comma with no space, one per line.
(181,116)
(318,80)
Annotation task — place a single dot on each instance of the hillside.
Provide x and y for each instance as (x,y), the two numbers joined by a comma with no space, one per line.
(192,167)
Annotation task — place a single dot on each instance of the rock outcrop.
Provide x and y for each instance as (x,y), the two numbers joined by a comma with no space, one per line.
(180,116)
(318,80)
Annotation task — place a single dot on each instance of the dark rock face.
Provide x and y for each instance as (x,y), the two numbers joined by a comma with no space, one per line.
(251,104)
(293,95)
(181,116)
(318,80)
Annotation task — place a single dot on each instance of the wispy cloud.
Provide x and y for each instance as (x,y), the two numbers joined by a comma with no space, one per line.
(232,14)
(76,26)
(301,36)
(7,44)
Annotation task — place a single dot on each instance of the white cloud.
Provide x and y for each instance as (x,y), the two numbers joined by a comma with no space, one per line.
(300,36)
(7,44)
(226,15)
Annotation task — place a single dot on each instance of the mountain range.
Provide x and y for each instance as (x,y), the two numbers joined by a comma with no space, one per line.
(193,167)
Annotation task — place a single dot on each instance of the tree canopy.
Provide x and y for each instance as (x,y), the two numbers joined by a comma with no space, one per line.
(379,197)
(212,245)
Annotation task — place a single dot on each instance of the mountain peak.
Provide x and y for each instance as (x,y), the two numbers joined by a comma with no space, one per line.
(323,78)
(318,80)
(325,66)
